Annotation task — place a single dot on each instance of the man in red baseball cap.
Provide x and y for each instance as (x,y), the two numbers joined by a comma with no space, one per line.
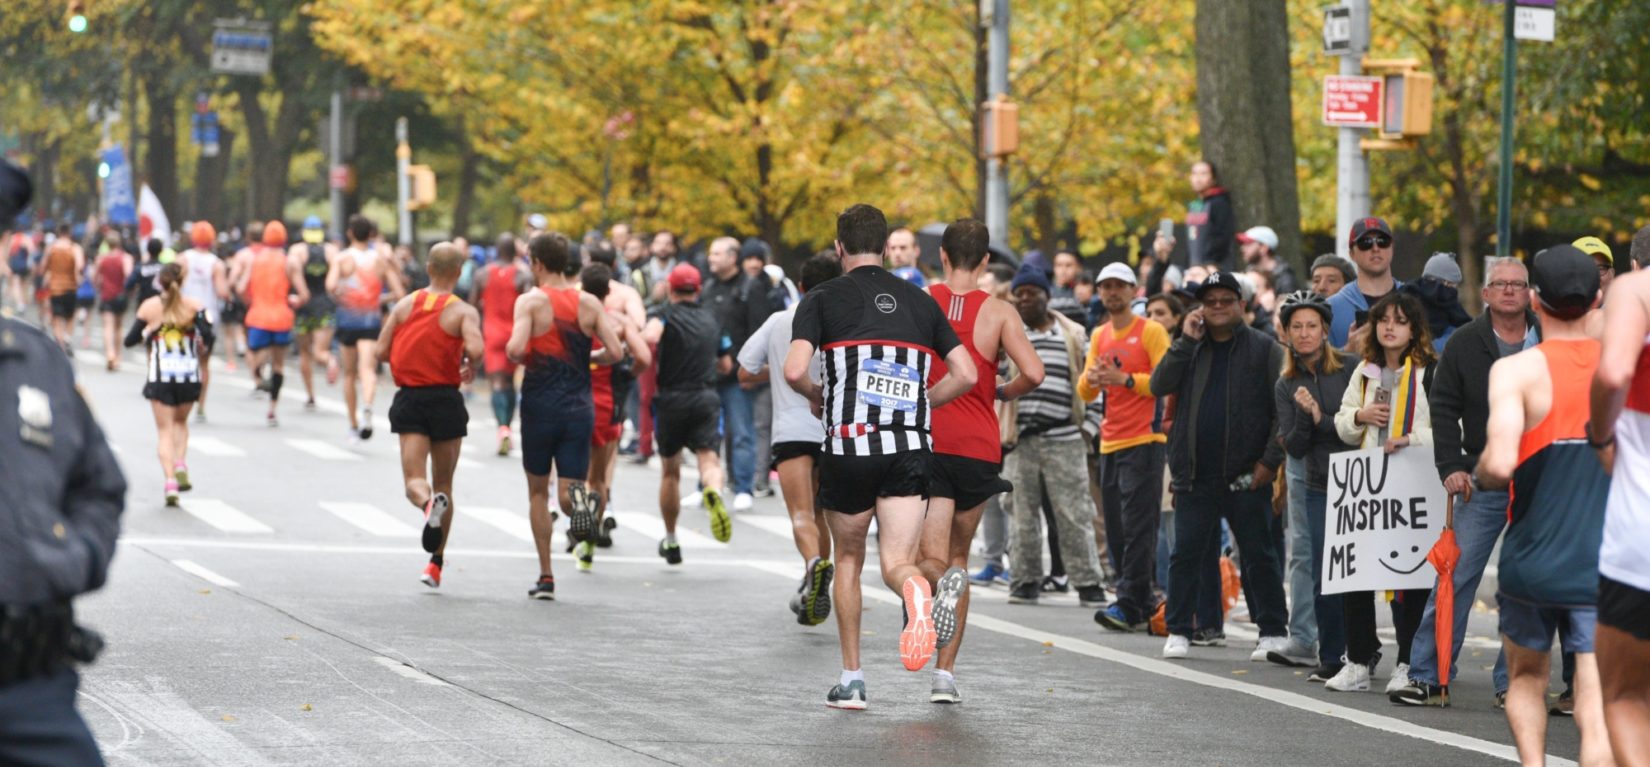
(692,352)
(1371,249)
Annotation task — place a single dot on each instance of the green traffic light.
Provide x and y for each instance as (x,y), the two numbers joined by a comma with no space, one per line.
(77,23)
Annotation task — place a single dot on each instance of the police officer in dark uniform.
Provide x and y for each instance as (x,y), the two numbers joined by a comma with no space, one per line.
(59,517)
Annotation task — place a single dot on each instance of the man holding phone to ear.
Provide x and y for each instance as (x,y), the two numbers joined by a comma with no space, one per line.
(1222,458)
(1371,240)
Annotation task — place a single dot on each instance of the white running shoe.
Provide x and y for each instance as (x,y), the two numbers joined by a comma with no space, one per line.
(1268,645)
(692,501)
(742,502)
(1354,677)
(1400,678)
(1176,647)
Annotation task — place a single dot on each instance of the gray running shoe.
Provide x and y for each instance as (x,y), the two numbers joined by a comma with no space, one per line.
(948,593)
(851,698)
(944,690)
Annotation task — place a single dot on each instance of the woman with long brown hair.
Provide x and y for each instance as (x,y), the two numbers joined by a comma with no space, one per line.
(175,330)
(1385,405)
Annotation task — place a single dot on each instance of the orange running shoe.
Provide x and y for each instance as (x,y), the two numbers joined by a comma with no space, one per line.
(431,576)
(916,641)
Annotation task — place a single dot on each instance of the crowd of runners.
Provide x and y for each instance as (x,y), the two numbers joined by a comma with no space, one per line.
(1161,432)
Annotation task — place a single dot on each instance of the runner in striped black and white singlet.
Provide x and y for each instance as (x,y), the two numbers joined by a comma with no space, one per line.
(966,468)
(1621,397)
(1536,438)
(176,332)
(879,336)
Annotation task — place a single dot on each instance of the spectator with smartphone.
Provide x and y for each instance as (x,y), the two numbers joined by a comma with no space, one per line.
(1223,458)
(1385,405)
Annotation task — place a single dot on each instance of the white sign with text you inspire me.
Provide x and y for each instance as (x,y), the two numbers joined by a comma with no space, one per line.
(1383,514)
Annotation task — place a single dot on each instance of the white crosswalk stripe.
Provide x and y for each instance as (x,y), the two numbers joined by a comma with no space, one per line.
(223,516)
(323,450)
(370,518)
(652,527)
(513,523)
(767,523)
(214,447)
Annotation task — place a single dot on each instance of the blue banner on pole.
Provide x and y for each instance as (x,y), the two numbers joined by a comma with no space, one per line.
(117,188)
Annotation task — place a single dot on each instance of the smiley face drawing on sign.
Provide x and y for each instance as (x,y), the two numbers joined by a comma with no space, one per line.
(1394,555)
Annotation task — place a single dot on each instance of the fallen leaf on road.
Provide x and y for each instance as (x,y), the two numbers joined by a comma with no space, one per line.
(206,591)
(1048,644)
(292,638)
(306,707)
(228,718)
(1239,671)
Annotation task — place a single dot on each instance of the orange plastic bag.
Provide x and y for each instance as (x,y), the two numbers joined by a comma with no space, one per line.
(1231,590)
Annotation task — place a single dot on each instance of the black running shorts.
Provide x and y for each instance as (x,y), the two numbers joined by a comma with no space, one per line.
(970,482)
(851,484)
(63,306)
(172,394)
(686,418)
(351,336)
(1624,608)
(785,451)
(435,411)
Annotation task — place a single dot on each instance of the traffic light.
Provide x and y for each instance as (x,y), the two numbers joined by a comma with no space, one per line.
(999,128)
(422,180)
(77,16)
(1408,110)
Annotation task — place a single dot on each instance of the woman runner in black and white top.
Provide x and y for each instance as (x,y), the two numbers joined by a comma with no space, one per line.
(175,329)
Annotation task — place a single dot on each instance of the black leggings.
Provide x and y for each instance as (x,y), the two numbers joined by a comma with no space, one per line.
(1359,619)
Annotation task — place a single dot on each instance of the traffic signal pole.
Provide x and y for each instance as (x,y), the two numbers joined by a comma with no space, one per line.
(1509,74)
(403,185)
(996,181)
(335,144)
(1351,164)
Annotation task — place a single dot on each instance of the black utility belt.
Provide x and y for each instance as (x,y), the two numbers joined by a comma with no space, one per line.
(36,640)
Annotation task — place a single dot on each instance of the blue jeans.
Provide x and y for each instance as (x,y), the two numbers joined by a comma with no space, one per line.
(1326,609)
(739,423)
(1303,622)
(39,723)
(1197,532)
(1477,526)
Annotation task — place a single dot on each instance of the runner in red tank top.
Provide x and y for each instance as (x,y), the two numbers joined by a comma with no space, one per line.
(496,289)
(432,340)
(597,280)
(966,468)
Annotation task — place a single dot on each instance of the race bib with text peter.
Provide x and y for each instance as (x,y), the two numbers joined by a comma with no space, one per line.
(889,385)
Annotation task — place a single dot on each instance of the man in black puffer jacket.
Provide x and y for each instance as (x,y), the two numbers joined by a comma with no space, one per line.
(1223,455)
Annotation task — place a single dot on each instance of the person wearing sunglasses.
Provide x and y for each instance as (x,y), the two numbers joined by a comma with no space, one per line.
(1371,240)
(1223,455)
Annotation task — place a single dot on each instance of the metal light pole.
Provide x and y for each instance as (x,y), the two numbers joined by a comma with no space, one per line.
(996,181)
(335,150)
(1509,73)
(403,185)
(1351,164)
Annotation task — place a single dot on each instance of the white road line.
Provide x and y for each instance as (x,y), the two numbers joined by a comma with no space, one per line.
(1186,674)
(223,516)
(370,518)
(213,446)
(203,573)
(324,450)
(153,707)
(402,551)
(402,669)
(767,523)
(513,523)
(652,527)
(470,463)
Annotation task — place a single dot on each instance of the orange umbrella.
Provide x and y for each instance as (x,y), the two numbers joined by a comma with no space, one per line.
(1443,556)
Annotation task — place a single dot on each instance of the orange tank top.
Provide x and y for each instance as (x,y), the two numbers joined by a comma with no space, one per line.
(60,276)
(425,354)
(266,291)
(1570,368)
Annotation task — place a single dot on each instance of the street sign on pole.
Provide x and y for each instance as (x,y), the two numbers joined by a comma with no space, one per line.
(1337,30)
(1352,101)
(1532,23)
(120,204)
(241,47)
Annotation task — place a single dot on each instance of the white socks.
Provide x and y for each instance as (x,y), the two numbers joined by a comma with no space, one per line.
(857,675)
